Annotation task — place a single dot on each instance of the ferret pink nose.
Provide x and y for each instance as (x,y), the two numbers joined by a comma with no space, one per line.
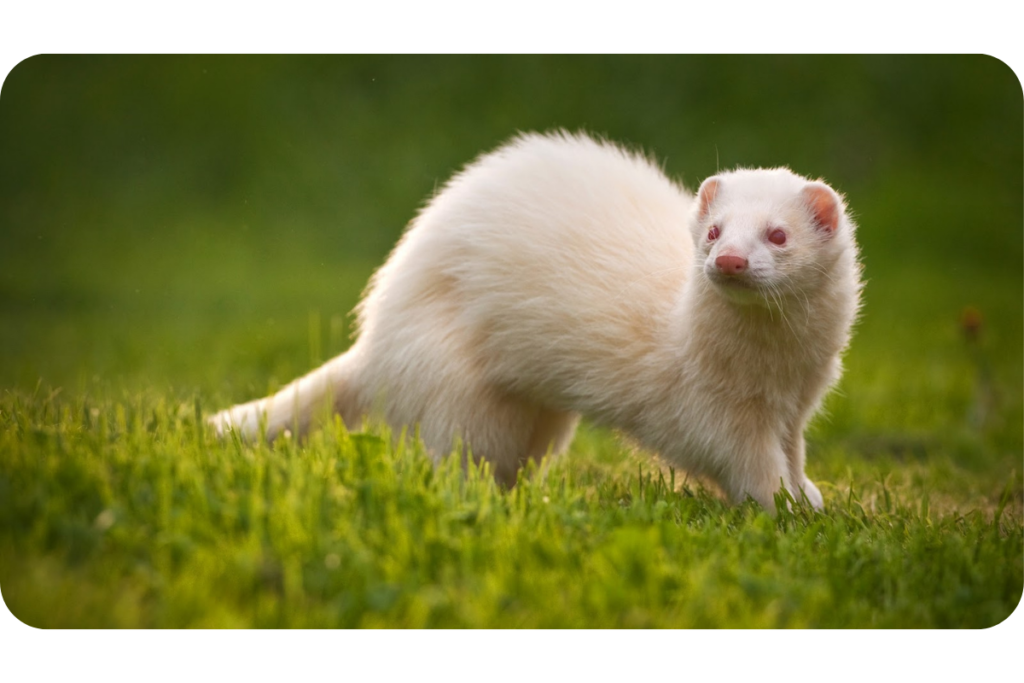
(731,265)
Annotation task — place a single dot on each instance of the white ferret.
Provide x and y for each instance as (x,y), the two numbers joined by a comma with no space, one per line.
(560,276)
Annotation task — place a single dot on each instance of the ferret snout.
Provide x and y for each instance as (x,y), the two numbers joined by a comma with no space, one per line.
(728,264)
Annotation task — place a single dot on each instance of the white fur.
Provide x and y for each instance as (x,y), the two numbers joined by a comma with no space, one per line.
(559,276)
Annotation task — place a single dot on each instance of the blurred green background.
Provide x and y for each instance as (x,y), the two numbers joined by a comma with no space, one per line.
(203,225)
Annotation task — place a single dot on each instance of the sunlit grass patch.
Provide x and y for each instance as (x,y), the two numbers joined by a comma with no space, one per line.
(131,514)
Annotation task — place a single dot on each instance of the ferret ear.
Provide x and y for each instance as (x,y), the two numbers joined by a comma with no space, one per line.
(708,191)
(824,205)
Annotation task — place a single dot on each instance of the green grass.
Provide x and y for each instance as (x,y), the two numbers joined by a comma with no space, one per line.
(182,234)
(131,516)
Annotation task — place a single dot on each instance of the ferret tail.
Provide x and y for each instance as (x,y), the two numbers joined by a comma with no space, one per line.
(293,408)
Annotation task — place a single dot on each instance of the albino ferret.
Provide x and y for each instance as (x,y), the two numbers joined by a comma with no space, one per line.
(561,276)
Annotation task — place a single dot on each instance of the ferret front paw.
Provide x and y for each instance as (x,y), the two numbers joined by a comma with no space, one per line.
(812,493)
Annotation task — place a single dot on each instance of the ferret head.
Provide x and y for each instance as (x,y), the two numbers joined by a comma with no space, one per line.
(767,234)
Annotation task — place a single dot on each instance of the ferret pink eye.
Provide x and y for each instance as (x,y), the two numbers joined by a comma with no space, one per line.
(713,233)
(777,237)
